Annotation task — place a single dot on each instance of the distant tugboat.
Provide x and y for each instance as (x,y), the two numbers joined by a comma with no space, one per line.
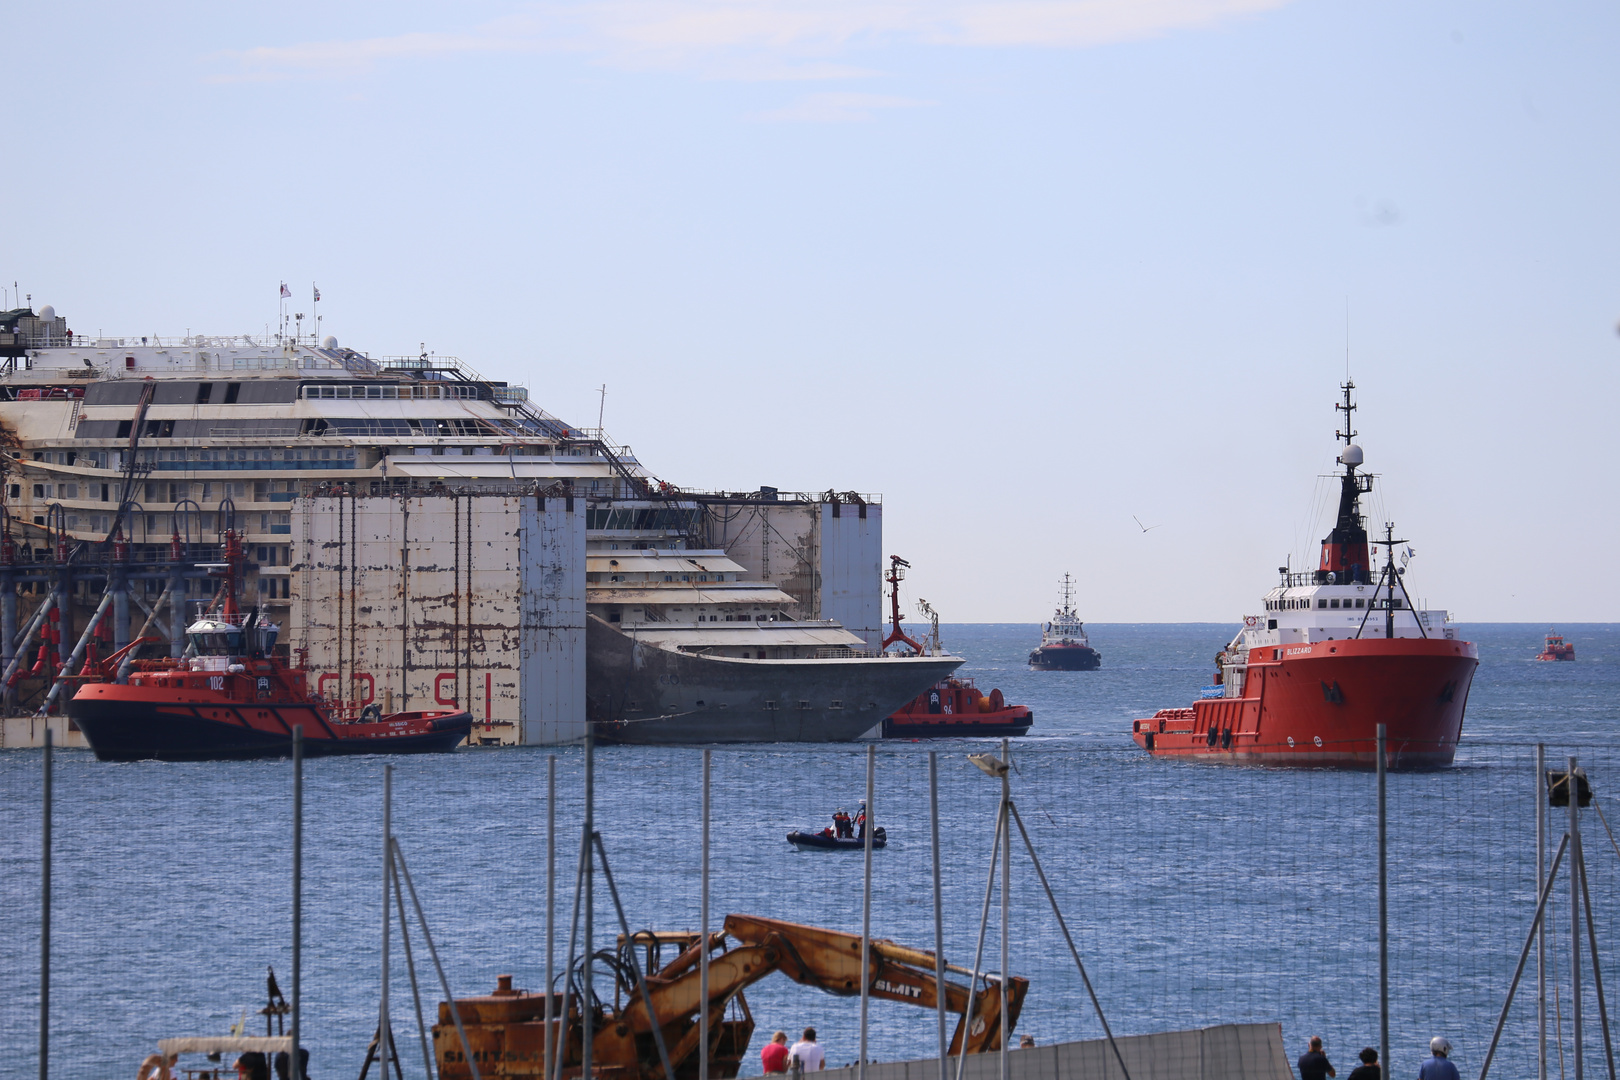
(1064,646)
(1556,648)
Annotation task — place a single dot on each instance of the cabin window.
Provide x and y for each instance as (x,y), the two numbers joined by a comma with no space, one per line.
(1360,602)
(1321,603)
(1334,602)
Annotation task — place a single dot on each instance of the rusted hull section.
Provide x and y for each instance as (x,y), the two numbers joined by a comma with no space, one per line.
(447,601)
(639,693)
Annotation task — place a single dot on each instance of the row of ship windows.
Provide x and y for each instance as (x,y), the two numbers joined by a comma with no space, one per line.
(614,616)
(593,579)
(163,491)
(161,525)
(389,393)
(201,459)
(274,588)
(1325,602)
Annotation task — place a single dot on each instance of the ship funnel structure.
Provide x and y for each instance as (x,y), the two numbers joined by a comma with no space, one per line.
(1344,550)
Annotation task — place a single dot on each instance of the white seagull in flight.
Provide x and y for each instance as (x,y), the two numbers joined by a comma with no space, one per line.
(1144,528)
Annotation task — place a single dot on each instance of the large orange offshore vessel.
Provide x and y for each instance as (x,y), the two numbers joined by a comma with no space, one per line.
(1336,653)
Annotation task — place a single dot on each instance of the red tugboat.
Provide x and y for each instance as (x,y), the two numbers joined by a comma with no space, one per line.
(236,699)
(1556,648)
(953,707)
(1334,655)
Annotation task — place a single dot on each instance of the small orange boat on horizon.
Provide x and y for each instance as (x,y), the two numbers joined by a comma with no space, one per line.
(1556,648)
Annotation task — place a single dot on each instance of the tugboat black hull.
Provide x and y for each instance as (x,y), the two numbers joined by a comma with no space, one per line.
(145,731)
(1065,658)
(976,728)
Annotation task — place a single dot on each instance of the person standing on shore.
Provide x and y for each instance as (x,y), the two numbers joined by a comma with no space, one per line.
(1439,1067)
(1314,1065)
(1369,1068)
(807,1053)
(775,1055)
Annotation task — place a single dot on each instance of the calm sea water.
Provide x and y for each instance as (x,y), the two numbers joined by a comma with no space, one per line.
(1196,894)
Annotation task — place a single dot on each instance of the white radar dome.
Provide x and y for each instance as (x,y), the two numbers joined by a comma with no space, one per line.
(47,312)
(329,342)
(1351,455)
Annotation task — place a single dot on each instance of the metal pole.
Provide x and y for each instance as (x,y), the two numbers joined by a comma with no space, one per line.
(444,983)
(635,961)
(297,893)
(966,1026)
(45,919)
(1091,991)
(866,905)
(588,991)
(8,618)
(568,966)
(703,934)
(1541,931)
(1524,955)
(1383,900)
(1575,918)
(410,969)
(388,859)
(1006,892)
(1579,865)
(939,916)
(551,897)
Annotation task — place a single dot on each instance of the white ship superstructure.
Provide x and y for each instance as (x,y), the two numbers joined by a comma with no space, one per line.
(126,456)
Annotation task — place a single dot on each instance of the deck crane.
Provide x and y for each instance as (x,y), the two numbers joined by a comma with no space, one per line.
(126,495)
(897,574)
(506,1029)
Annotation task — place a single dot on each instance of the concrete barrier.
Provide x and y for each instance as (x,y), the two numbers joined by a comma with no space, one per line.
(1224,1052)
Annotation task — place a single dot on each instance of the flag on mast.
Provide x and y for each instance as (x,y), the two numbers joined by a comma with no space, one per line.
(317,295)
(285,292)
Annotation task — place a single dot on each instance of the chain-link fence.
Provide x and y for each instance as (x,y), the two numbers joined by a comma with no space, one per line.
(1198,894)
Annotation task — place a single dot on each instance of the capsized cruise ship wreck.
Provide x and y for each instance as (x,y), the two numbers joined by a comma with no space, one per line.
(426,537)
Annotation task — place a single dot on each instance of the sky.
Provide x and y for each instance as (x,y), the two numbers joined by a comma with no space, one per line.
(1039,272)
